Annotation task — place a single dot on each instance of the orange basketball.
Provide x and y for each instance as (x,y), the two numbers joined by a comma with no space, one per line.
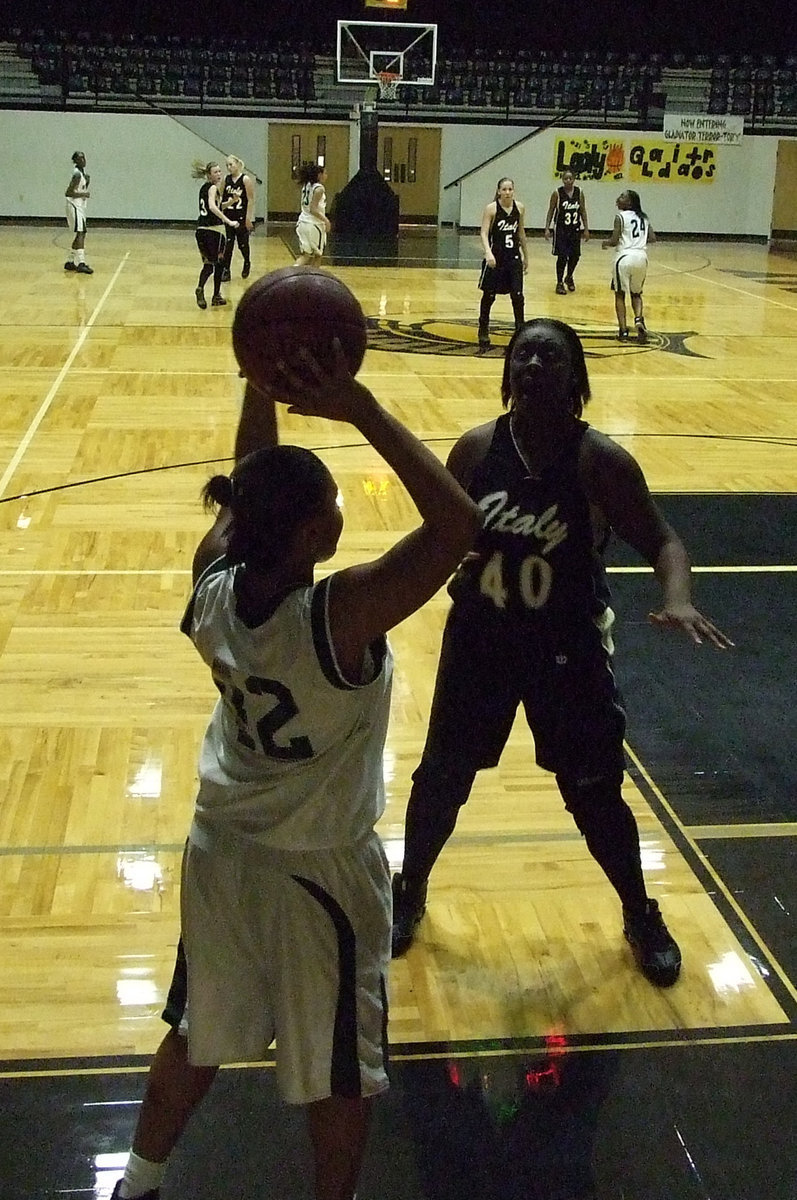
(293,307)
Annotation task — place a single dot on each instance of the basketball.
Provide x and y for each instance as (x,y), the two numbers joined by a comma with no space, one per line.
(293,307)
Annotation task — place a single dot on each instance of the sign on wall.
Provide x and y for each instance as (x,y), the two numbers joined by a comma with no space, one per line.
(700,127)
(609,160)
(671,162)
(598,158)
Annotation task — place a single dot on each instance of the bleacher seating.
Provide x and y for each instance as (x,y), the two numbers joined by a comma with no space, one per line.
(573,86)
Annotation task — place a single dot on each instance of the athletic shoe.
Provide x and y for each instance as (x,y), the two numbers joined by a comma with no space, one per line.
(225,276)
(217,301)
(70,266)
(571,287)
(654,948)
(409,905)
(561,290)
(641,331)
(200,298)
(152,1194)
(622,335)
(84,269)
(246,270)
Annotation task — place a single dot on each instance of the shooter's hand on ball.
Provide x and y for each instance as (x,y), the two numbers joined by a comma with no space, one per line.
(314,391)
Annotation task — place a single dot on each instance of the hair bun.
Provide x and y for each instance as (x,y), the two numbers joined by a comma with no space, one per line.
(218,490)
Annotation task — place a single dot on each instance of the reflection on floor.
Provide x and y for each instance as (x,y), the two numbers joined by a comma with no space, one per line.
(688,1122)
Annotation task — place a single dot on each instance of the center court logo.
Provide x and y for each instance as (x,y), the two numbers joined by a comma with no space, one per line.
(459,339)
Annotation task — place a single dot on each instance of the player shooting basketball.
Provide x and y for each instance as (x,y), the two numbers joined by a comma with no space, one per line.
(285,888)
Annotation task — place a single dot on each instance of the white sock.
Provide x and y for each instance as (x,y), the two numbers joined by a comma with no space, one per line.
(140,1177)
(80,256)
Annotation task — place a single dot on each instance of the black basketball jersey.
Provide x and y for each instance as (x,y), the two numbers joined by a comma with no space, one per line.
(234,198)
(534,558)
(568,216)
(504,235)
(206,217)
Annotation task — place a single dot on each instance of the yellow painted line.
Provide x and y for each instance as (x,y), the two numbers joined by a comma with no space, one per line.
(583,1048)
(66,1073)
(751,929)
(433,1056)
(778,568)
(756,830)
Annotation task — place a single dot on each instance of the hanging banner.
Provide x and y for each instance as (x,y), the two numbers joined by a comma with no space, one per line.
(668,162)
(590,158)
(610,160)
(721,128)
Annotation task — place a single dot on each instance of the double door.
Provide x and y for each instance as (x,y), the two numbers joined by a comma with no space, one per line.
(408,159)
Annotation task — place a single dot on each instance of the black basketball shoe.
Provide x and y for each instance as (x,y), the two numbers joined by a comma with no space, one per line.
(654,948)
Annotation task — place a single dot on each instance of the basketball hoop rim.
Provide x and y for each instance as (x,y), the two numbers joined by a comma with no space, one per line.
(388,82)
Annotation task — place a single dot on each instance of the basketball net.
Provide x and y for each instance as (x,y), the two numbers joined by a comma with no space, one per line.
(388,84)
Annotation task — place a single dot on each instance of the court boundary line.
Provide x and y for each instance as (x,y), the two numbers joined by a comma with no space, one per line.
(730,288)
(722,832)
(46,403)
(401,1052)
(374,374)
(698,856)
(784,441)
(43,572)
(745,829)
(777,829)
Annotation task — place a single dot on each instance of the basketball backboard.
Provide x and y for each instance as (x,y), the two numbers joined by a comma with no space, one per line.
(366,48)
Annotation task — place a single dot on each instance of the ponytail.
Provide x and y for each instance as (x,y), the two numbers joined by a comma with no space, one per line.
(270,494)
(217,493)
(636,204)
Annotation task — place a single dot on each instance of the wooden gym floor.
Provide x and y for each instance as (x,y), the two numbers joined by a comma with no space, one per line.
(531,1059)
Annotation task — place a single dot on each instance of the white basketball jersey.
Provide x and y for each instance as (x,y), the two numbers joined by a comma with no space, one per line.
(307,197)
(633,231)
(292,756)
(78,180)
